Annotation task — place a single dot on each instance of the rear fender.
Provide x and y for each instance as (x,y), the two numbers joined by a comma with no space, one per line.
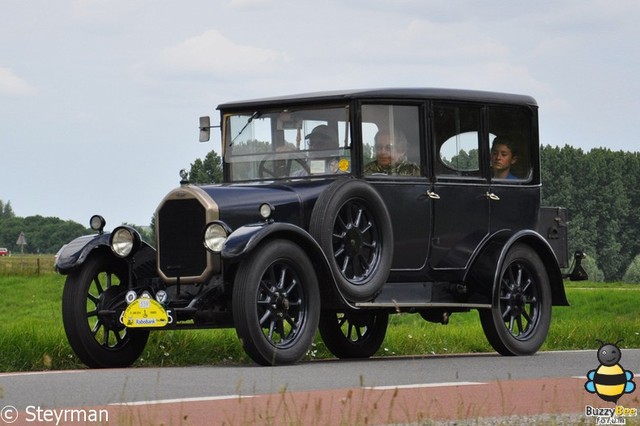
(489,260)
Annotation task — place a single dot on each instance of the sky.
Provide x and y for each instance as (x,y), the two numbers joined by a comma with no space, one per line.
(100,99)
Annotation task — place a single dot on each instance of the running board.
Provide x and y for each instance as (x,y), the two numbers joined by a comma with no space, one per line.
(423,295)
(394,304)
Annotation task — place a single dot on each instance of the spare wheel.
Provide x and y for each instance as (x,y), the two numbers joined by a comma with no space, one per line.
(352,225)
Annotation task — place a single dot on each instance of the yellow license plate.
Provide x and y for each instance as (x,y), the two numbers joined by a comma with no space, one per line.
(145,312)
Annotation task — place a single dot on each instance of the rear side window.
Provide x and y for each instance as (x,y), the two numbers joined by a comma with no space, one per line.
(456,131)
(510,143)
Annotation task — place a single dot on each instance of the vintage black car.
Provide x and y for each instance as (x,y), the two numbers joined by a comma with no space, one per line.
(337,209)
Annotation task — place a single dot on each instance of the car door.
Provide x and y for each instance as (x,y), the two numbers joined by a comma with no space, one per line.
(460,192)
(390,129)
(410,211)
(516,194)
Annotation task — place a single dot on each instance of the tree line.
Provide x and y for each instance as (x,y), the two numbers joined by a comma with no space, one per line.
(42,234)
(600,189)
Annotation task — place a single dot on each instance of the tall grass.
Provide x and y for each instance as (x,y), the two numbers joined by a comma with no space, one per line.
(32,336)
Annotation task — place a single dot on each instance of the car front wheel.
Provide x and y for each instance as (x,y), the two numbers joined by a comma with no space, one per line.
(276,303)
(518,322)
(92,300)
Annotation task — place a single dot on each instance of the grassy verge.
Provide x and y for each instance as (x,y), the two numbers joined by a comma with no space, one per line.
(27,264)
(32,336)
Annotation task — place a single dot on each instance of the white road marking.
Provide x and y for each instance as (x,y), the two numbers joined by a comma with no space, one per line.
(179,400)
(35,373)
(424,385)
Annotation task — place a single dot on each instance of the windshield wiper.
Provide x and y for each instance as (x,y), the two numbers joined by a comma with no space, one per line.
(256,114)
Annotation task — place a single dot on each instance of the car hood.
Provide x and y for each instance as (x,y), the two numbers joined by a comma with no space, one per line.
(238,204)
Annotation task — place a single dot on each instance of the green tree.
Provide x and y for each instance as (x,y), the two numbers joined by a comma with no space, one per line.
(591,268)
(152,225)
(632,275)
(43,234)
(146,233)
(6,212)
(464,160)
(206,171)
(601,192)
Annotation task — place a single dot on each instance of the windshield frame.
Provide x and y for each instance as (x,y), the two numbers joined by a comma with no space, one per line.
(287,142)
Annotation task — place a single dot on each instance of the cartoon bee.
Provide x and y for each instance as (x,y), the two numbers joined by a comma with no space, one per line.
(609,381)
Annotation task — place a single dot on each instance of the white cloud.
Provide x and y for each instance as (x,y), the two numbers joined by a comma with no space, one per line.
(11,84)
(212,52)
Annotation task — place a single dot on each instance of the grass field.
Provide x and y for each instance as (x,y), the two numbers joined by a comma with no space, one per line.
(32,336)
(26,264)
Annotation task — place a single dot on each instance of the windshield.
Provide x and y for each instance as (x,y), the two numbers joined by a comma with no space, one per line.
(287,143)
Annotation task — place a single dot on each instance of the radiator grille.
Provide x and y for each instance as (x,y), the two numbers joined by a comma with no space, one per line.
(180,224)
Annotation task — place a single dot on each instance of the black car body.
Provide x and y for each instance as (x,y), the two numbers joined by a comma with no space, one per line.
(337,209)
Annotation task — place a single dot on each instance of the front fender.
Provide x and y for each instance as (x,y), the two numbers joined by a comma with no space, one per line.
(74,253)
(243,240)
(246,238)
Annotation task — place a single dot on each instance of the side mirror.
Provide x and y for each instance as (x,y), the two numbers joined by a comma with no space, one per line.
(205,129)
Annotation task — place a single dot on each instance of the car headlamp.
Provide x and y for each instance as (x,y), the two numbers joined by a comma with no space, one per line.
(266,210)
(215,234)
(97,223)
(124,241)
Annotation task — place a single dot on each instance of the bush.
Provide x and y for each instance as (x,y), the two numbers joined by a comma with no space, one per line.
(633,272)
(591,266)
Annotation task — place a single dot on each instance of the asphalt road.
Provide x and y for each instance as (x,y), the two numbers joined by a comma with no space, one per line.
(146,386)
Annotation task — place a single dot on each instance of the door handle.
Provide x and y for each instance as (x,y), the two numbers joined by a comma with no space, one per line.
(433,195)
(492,196)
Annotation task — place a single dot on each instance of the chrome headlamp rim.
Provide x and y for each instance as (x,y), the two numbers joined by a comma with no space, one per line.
(124,241)
(215,235)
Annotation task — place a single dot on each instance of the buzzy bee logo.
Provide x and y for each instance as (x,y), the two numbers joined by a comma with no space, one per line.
(610,381)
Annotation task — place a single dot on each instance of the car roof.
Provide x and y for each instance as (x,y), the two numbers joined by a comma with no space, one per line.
(386,93)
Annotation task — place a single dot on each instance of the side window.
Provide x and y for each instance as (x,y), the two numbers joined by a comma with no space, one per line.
(456,131)
(510,143)
(391,140)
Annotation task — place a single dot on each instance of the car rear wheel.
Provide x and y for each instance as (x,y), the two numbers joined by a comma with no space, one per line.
(352,225)
(92,300)
(276,303)
(518,322)
(353,334)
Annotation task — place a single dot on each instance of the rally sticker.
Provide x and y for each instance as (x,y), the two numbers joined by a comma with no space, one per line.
(145,312)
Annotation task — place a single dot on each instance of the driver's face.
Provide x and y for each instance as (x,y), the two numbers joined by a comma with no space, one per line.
(318,143)
(386,153)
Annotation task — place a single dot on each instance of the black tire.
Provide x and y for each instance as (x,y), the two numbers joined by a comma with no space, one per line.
(352,225)
(276,303)
(100,340)
(353,334)
(518,322)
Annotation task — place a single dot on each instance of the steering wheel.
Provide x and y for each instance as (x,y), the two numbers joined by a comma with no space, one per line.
(280,168)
